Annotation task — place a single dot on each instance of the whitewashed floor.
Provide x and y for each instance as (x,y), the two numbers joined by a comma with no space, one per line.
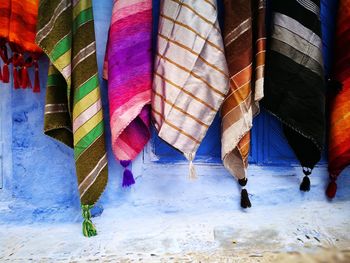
(146,235)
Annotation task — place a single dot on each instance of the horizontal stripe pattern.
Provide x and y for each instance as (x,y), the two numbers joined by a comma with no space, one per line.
(128,68)
(73,95)
(245,53)
(295,76)
(190,75)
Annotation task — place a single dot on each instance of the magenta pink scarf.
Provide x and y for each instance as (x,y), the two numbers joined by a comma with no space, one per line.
(128,68)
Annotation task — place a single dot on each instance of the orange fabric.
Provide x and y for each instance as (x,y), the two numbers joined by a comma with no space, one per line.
(18,23)
(23,24)
(339,134)
(5,11)
(17,31)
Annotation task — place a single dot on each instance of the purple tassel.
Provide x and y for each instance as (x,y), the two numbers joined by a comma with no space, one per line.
(128,178)
(125,163)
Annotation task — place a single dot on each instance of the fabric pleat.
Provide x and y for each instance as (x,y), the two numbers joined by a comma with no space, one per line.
(294,81)
(73,110)
(128,68)
(339,108)
(245,44)
(190,73)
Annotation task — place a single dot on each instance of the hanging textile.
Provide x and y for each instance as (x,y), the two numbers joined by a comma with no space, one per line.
(294,81)
(339,108)
(128,68)
(73,111)
(244,39)
(17,31)
(190,74)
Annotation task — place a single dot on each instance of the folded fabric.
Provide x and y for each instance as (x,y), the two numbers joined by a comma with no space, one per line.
(190,73)
(244,39)
(18,26)
(128,68)
(294,80)
(73,110)
(339,108)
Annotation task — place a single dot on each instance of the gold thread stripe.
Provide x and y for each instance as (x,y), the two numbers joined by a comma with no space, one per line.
(44,31)
(56,108)
(86,115)
(192,30)
(176,128)
(192,74)
(181,110)
(194,53)
(196,13)
(92,176)
(185,91)
(81,6)
(210,3)
(83,53)
(64,61)
(87,126)
(85,102)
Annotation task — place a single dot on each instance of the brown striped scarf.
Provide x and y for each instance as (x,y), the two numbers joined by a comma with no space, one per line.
(73,111)
(190,74)
(244,38)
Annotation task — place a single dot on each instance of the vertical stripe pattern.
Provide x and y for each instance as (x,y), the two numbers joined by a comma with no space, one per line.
(244,39)
(73,112)
(128,68)
(190,73)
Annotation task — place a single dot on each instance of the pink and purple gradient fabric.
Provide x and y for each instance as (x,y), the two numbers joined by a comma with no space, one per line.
(128,68)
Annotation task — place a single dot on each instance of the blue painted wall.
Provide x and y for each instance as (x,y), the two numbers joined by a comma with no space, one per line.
(39,182)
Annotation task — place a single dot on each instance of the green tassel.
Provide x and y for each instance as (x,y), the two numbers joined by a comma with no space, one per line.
(89,229)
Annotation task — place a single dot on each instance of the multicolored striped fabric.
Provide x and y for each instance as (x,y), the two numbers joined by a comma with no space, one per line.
(339,127)
(128,68)
(73,111)
(18,27)
(245,44)
(190,75)
(294,86)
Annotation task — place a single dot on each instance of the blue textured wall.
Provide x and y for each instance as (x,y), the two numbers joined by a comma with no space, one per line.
(39,175)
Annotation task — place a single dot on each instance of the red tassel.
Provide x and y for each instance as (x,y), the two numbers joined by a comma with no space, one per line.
(5,74)
(0,74)
(25,82)
(36,80)
(15,78)
(331,189)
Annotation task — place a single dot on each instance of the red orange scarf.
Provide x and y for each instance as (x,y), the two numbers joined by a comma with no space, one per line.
(18,27)
(339,135)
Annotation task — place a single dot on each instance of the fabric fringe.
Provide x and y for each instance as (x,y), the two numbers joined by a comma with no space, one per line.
(128,177)
(245,202)
(20,68)
(89,229)
(305,184)
(191,167)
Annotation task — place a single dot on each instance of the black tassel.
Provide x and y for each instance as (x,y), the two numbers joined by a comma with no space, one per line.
(245,202)
(305,184)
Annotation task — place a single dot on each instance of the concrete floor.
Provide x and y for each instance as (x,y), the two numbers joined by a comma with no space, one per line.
(312,232)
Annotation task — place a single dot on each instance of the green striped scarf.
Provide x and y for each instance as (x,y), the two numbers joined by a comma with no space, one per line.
(73,110)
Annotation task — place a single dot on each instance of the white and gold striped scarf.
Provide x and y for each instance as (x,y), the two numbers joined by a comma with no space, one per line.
(190,75)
